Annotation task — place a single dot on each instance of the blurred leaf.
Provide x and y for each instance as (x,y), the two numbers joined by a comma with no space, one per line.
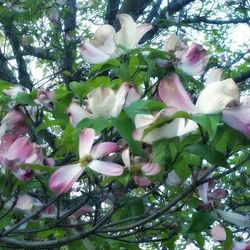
(24,98)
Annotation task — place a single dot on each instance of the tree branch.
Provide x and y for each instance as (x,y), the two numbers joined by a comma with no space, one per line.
(24,78)
(112,10)
(39,53)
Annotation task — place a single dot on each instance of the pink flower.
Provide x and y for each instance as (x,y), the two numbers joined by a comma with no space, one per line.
(140,169)
(109,44)
(192,59)
(62,180)
(218,233)
(15,152)
(46,98)
(102,103)
(14,121)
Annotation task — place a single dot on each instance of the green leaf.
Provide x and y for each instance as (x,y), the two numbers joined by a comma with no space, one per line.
(165,151)
(207,153)
(49,123)
(208,122)
(24,98)
(200,221)
(143,107)
(5,85)
(98,124)
(125,127)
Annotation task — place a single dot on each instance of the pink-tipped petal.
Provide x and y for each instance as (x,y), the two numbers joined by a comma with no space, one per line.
(238,118)
(142,181)
(46,98)
(214,76)
(173,94)
(194,60)
(20,174)
(104,39)
(216,96)
(21,149)
(218,233)
(92,54)
(126,157)
(142,120)
(103,149)
(141,30)
(150,169)
(62,180)
(106,168)
(86,140)
(76,113)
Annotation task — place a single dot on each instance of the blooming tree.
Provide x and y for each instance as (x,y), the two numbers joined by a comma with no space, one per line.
(137,154)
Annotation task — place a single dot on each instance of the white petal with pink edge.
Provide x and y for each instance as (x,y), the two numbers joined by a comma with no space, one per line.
(106,168)
(150,169)
(86,140)
(92,54)
(218,233)
(126,157)
(62,180)
(104,148)
(173,94)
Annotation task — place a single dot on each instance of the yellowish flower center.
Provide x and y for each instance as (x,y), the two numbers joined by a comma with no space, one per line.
(85,160)
(136,169)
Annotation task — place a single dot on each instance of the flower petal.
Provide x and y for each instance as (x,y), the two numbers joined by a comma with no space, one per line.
(173,94)
(62,180)
(106,168)
(214,76)
(126,36)
(92,54)
(141,30)
(218,233)
(104,148)
(24,202)
(102,102)
(238,118)
(173,179)
(216,96)
(171,43)
(150,169)
(202,190)
(132,96)
(142,181)
(76,113)
(104,39)
(120,97)
(126,157)
(86,140)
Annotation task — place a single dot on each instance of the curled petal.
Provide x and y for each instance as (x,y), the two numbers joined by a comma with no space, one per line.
(102,101)
(86,140)
(104,39)
(214,76)
(126,36)
(46,98)
(142,181)
(218,233)
(126,157)
(218,194)
(216,96)
(173,94)
(238,118)
(142,120)
(62,180)
(92,54)
(150,169)
(76,113)
(141,30)
(103,149)
(120,97)
(194,60)
(106,168)
(171,43)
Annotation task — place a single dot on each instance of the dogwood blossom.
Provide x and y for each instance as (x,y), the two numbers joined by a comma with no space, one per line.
(109,44)
(63,178)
